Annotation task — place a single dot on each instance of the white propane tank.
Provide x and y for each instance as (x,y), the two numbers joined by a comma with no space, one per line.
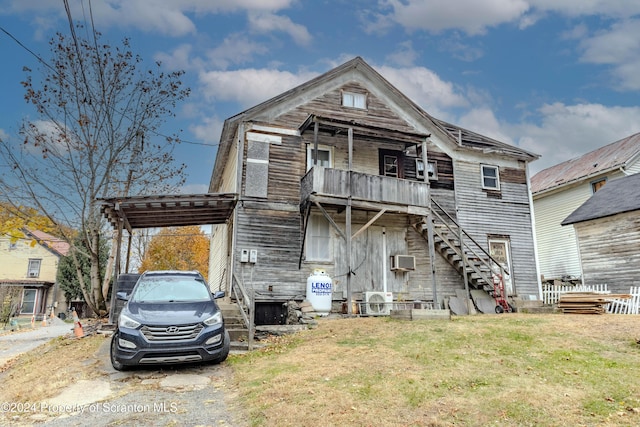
(319,286)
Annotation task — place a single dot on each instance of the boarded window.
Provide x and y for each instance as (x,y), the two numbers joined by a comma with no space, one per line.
(596,185)
(257,178)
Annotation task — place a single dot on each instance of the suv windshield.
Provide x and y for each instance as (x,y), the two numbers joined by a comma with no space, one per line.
(170,289)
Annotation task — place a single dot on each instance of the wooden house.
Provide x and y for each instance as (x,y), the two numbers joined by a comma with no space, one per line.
(29,266)
(561,189)
(346,174)
(607,227)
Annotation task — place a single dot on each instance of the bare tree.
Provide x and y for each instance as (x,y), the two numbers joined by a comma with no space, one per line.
(97,135)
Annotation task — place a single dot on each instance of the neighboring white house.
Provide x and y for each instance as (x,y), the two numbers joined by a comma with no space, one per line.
(561,189)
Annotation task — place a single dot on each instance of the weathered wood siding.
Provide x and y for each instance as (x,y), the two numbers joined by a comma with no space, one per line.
(610,251)
(506,214)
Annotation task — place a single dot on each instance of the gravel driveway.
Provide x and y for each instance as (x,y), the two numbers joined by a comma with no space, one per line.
(194,395)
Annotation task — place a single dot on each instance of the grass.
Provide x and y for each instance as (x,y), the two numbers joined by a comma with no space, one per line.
(516,369)
(509,369)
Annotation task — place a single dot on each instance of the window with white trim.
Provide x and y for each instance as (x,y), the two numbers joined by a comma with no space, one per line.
(432,169)
(354,100)
(490,177)
(325,158)
(34,268)
(318,247)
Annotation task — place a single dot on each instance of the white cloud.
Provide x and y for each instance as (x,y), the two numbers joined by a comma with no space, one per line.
(475,17)
(235,49)
(483,121)
(618,47)
(249,86)
(3,135)
(404,56)
(208,130)
(568,131)
(167,17)
(471,16)
(269,22)
(425,88)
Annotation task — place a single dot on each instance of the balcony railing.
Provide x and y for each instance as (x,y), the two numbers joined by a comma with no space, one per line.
(372,188)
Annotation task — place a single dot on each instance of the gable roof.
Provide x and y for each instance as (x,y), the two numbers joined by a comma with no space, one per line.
(55,244)
(356,66)
(610,157)
(617,196)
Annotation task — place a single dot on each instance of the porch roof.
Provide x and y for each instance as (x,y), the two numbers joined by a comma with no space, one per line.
(335,126)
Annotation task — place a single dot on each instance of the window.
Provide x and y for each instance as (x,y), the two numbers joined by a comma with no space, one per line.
(490,177)
(596,185)
(34,268)
(324,156)
(390,166)
(432,169)
(354,100)
(13,245)
(28,301)
(318,239)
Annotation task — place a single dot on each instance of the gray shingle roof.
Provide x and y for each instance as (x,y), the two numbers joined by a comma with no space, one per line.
(617,196)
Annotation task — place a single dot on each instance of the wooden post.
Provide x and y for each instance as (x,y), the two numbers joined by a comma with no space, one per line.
(348,224)
(432,248)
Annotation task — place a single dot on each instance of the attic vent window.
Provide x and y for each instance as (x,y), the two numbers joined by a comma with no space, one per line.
(354,100)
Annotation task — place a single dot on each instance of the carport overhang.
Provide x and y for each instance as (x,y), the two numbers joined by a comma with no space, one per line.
(137,212)
(168,210)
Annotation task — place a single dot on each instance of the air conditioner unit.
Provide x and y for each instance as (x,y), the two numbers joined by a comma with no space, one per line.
(403,262)
(33,274)
(377,303)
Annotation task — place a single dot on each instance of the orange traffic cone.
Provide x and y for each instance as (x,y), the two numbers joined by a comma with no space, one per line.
(33,321)
(77,327)
(44,320)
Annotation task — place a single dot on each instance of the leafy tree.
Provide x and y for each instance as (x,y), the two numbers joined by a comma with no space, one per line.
(67,274)
(178,248)
(97,136)
(14,219)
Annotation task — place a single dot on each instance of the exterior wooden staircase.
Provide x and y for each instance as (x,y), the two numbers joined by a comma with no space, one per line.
(461,251)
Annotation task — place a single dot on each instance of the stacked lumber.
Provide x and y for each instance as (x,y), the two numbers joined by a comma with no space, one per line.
(587,302)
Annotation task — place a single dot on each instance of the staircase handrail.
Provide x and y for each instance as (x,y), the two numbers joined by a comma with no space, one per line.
(463,244)
(247,307)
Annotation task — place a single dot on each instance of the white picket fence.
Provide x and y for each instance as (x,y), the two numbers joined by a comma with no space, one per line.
(551,295)
(626,306)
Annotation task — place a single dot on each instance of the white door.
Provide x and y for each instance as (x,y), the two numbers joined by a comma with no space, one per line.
(500,251)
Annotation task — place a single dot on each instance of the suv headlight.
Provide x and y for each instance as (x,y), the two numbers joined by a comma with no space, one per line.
(127,322)
(214,320)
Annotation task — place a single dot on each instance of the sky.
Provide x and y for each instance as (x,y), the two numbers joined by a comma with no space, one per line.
(558,78)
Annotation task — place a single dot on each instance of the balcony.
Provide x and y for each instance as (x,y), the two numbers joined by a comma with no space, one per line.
(334,186)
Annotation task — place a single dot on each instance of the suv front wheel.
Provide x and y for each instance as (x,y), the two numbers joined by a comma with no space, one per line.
(114,362)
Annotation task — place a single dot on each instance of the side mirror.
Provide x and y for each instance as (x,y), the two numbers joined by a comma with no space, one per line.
(218,294)
(122,296)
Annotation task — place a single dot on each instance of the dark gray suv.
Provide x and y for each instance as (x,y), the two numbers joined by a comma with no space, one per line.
(169,317)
